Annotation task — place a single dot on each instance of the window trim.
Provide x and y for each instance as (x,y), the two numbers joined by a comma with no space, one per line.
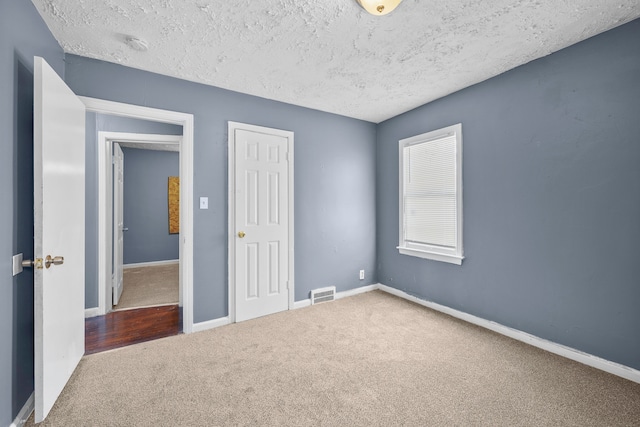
(436,253)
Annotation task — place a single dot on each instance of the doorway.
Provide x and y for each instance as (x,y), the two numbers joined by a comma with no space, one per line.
(145,261)
(105,224)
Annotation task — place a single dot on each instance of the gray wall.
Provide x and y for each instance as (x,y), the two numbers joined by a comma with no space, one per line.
(552,189)
(23,34)
(334,177)
(96,123)
(551,198)
(146,212)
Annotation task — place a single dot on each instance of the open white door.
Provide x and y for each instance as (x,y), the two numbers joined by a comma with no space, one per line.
(58,150)
(262,183)
(118,222)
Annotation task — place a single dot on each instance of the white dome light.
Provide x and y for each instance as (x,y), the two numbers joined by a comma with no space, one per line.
(379,7)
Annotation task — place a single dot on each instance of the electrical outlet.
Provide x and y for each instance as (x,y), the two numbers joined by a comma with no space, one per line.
(361,274)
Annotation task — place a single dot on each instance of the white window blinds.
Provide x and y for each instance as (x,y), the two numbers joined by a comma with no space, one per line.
(430,192)
(431,195)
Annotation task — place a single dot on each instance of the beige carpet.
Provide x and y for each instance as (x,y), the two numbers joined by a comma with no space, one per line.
(146,286)
(371,359)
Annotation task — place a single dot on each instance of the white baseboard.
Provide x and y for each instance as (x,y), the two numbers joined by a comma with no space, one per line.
(351,292)
(210,324)
(550,346)
(151,263)
(356,291)
(91,312)
(301,304)
(24,413)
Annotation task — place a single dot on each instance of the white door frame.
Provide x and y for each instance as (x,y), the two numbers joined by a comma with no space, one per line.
(232,127)
(186,198)
(106,140)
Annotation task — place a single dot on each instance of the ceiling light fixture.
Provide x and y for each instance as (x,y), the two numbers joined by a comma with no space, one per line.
(379,7)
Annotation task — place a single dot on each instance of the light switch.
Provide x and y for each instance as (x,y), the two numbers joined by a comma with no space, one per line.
(17,264)
(204,203)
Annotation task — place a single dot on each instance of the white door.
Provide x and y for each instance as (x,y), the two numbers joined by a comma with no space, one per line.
(58,151)
(118,221)
(262,223)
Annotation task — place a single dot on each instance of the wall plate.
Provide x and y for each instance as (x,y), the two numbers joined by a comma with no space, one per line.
(204,203)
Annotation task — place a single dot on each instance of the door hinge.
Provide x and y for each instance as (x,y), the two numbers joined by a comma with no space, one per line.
(288,156)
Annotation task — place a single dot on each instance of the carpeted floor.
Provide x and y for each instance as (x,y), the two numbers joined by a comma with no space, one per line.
(371,359)
(148,286)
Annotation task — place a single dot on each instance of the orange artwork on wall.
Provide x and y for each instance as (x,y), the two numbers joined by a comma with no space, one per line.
(174,204)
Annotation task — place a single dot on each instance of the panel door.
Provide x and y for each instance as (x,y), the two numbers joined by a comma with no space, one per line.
(261,219)
(118,222)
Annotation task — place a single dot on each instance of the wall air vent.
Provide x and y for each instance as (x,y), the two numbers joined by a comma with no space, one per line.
(323,294)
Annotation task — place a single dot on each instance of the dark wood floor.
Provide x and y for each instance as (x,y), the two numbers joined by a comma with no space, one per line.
(122,328)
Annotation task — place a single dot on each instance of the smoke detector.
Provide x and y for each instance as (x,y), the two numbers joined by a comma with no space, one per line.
(136,43)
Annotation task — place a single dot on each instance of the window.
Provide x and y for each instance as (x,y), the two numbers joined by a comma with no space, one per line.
(431,195)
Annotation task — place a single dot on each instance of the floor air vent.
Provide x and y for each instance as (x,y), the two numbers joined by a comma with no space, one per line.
(323,294)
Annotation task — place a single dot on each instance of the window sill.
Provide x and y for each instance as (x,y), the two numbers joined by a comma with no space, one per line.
(453,259)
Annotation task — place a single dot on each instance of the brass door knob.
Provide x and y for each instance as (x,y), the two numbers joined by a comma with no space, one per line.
(241,234)
(56,260)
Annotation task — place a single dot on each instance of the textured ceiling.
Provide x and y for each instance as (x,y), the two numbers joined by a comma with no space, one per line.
(330,54)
